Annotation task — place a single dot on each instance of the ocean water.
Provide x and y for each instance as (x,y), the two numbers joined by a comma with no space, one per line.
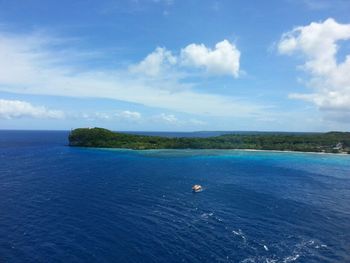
(63,204)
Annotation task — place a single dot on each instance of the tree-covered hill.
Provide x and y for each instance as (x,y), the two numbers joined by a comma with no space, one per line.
(335,142)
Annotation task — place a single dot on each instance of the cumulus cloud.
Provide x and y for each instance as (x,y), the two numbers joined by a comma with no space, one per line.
(11,109)
(329,78)
(155,63)
(224,59)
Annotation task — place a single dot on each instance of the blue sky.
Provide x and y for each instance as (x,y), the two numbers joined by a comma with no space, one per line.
(171,65)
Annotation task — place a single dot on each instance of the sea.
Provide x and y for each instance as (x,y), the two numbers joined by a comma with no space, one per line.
(70,204)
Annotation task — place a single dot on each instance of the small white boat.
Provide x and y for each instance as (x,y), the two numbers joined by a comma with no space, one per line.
(197,188)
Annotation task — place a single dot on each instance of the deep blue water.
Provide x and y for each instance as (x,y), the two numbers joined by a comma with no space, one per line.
(62,204)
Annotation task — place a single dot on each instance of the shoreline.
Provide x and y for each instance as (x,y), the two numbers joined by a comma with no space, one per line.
(290,151)
(190,149)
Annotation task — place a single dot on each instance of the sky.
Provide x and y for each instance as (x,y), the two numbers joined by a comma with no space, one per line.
(175,65)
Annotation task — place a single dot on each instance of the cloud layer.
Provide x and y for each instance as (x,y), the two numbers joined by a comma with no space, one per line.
(11,109)
(127,116)
(30,66)
(329,78)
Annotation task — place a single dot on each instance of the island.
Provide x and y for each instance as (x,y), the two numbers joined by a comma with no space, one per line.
(330,142)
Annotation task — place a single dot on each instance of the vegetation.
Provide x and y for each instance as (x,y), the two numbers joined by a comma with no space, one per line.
(333,142)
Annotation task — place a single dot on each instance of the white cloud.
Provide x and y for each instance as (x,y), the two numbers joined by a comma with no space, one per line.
(173,120)
(329,78)
(168,118)
(29,66)
(129,115)
(223,60)
(136,117)
(125,115)
(99,116)
(155,63)
(11,109)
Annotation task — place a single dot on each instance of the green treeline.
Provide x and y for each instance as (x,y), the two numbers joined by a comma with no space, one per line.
(334,142)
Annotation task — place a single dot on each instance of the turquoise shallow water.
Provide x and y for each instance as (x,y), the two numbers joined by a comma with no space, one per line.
(62,204)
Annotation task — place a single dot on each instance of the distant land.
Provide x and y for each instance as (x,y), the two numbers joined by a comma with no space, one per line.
(330,142)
